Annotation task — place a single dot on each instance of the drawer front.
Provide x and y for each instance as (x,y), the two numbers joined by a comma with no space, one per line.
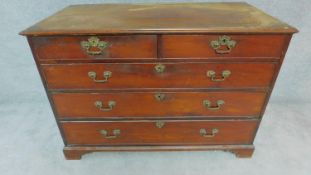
(101,47)
(158,105)
(166,75)
(200,46)
(159,132)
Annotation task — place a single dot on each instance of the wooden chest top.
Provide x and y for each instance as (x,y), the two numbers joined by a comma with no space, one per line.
(159,18)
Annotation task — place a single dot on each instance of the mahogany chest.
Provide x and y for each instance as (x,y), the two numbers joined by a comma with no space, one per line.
(159,77)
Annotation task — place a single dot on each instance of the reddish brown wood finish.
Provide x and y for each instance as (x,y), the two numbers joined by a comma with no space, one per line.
(175,35)
(198,46)
(237,17)
(172,133)
(175,75)
(143,105)
(120,47)
(76,152)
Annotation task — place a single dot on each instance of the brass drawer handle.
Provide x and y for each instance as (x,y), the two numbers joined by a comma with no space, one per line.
(93,46)
(115,133)
(99,105)
(159,68)
(106,75)
(212,74)
(204,133)
(209,106)
(223,41)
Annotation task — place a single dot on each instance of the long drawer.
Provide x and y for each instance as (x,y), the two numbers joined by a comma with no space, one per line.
(195,132)
(158,104)
(161,75)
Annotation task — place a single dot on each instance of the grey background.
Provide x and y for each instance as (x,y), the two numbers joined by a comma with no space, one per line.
(30,142)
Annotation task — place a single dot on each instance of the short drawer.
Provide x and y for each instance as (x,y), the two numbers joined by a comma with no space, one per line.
(158,104)
(195,132)
(95,47)
(161,75)
(204,46)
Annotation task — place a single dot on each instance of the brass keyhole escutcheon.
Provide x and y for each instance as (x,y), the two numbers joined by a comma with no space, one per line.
(159,96)
(160,124)
(159,68)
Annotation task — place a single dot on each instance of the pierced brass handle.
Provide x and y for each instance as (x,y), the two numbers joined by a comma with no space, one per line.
(106,75)
(99,105)
(223,41)
(159,68)
(212,74)
(115,133)
(159,96)
(204,133)
(93,46)
(209,106)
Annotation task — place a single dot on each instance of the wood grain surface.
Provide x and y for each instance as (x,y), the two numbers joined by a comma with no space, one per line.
(145,105)
(119,47)
(159,18)
(143,75)
(199,46)
(172,133)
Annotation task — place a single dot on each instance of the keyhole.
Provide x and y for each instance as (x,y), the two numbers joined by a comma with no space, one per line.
(160,97)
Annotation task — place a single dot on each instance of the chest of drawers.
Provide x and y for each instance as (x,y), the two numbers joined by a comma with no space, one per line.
(159,77)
